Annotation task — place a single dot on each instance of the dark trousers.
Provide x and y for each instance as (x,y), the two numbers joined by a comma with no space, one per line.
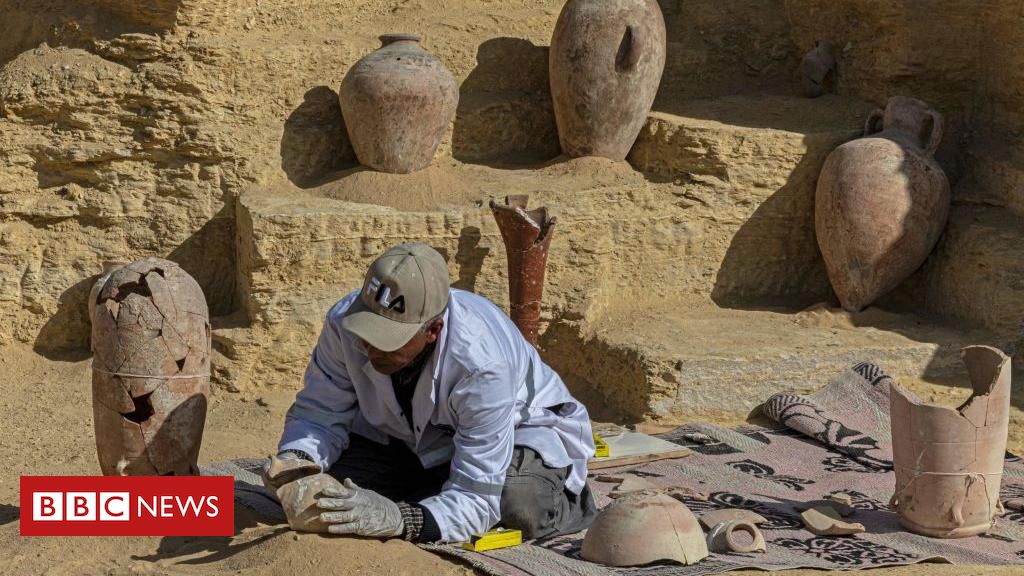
(533,500)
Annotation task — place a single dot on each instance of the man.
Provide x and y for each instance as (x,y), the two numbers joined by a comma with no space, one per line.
(436,414)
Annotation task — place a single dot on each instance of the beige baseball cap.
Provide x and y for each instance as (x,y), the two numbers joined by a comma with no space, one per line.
(403,289)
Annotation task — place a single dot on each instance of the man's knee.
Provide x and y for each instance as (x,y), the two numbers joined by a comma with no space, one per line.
(530,504)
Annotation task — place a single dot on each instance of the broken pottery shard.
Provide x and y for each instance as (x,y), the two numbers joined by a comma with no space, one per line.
(643,528)
(527,236)
(882,202)
(825,521)
(838,506)
(151,370)
(397,103)
(682,492)
(630,484)
(605,62)
(727,537)
(949,463)
(843,503)
(298,499)
(711,519)
(816,69)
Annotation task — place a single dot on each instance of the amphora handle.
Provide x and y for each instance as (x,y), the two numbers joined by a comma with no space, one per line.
(935,137)
(628,55)
(874,122)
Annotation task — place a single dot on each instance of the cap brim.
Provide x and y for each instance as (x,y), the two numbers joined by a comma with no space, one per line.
(382,333)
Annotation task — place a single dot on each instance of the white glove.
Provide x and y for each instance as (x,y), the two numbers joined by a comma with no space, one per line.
(355,510)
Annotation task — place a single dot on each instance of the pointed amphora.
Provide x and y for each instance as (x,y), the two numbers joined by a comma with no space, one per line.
(882,202)
(949,463)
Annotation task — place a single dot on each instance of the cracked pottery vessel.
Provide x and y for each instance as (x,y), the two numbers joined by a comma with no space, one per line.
(881,203)
(527,236)
(298,499)
(108,268)
(605,65)
(643,528)
(949,463)
(150,370)
(397,103)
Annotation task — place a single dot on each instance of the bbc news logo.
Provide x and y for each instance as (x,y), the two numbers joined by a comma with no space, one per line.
(127,506)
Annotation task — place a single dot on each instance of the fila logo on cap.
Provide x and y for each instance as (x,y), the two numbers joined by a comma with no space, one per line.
(381,294)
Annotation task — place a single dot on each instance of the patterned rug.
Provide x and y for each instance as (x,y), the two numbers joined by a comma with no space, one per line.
(836,440)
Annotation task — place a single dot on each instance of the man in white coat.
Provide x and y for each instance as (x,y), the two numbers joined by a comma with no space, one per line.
(438,417)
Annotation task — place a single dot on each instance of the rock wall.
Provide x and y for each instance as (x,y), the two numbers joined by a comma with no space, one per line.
(132,128)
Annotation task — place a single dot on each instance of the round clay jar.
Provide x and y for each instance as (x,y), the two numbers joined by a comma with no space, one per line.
(397,103)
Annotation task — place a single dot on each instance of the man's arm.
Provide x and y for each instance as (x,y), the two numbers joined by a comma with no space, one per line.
(484,405)
(319,420)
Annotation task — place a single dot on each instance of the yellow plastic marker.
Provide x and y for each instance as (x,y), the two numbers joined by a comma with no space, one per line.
(493,539)
(601,447)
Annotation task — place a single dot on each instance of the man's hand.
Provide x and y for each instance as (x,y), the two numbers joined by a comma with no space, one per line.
(355,510)
(287,467)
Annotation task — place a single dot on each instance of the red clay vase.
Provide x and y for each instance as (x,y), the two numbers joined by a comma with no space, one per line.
(397,103)
(882,202)
(606,61)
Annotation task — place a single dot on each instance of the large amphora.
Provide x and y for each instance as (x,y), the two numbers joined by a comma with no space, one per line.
(882,202)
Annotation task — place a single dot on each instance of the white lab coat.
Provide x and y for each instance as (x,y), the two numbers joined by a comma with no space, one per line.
(484,390)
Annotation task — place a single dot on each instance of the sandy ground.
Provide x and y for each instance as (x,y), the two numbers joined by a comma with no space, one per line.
(47,430)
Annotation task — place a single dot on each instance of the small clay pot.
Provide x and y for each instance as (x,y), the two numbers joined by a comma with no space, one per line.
(397,103)
(882,202)
(606,61)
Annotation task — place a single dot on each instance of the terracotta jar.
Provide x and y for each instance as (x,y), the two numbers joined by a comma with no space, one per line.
(882,202)
(606,61)
(397,103)
(949,463)
(150,370)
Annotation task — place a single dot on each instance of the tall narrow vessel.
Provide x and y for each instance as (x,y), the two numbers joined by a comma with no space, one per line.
(397,103)
(527,235)
(150,370)
(606,61)
(882,202)
(949,463)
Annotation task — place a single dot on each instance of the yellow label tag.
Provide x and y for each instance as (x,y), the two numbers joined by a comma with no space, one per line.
(601,449)
(493,539)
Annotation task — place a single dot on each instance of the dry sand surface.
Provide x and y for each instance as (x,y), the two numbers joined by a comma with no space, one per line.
(47,430)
